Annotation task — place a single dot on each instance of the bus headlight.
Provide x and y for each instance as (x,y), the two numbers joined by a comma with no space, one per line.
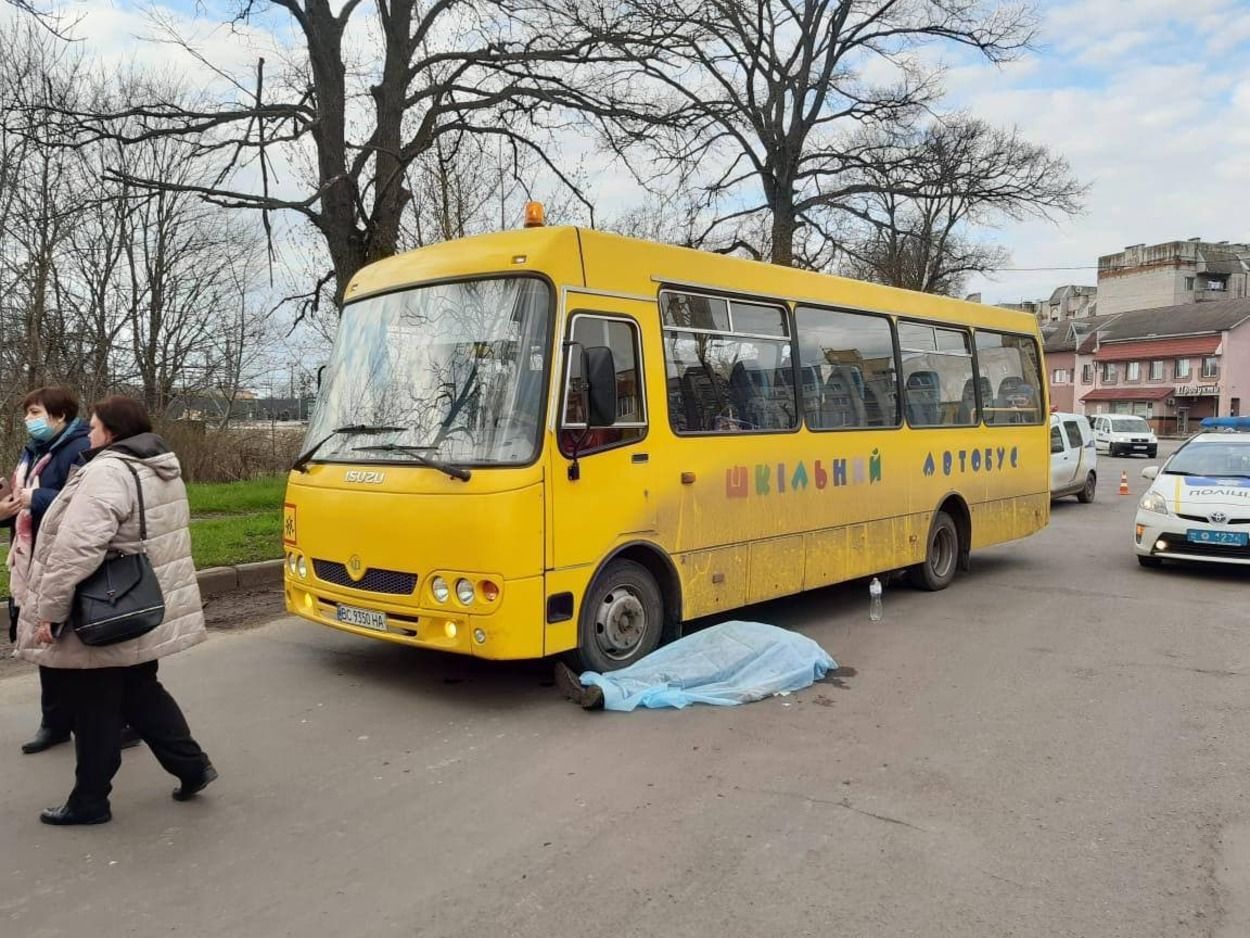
(301,567)
(290,563)
(438,586)
(1154,501)
(464,592)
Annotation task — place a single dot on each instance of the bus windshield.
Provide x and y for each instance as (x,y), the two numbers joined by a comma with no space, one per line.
(453,372)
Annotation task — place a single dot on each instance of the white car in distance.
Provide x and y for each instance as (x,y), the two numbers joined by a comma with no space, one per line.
(1124,435)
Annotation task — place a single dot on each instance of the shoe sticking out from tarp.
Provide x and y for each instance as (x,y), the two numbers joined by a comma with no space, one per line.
(588,698)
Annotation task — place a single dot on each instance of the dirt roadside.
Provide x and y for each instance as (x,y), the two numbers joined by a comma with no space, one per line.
(229,612)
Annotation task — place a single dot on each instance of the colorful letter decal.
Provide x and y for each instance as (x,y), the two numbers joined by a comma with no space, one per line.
(987,460)
(778,478)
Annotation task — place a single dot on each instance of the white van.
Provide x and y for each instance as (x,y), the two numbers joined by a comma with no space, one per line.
(1073,457)
(1123,434)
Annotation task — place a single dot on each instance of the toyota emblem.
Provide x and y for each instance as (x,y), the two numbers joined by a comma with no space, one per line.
(1218,517)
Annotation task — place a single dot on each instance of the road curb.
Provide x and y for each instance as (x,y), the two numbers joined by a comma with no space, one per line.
(218,581)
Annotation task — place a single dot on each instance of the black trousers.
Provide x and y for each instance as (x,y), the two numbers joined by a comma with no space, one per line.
(57,716)
(102,700)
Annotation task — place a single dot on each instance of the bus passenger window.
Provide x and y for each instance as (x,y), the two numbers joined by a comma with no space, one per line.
(938,386)
(1011,366)
(847,369)
(725,371)
(621,336)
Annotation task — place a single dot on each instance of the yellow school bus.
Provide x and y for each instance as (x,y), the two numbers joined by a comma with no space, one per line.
(559,440)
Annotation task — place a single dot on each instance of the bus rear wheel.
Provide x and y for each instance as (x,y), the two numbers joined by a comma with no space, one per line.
(622,618)
(941,555)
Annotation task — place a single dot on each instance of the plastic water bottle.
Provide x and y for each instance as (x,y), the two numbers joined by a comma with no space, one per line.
(874,600)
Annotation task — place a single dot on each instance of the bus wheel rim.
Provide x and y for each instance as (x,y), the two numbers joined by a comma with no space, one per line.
(620,623)
(942,555)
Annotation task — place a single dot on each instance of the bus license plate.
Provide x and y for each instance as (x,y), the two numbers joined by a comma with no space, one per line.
(1227,538)
(365,618)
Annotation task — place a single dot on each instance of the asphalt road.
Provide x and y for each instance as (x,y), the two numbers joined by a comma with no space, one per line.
(1054,746)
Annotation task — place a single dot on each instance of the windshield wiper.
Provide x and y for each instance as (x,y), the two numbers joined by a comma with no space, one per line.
(456,472)
(355,429)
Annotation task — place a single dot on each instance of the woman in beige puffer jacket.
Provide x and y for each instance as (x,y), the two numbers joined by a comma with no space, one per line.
(97,513)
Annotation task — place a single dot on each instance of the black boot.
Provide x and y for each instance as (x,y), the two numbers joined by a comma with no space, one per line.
(66,815)
(189,789)
(46,738)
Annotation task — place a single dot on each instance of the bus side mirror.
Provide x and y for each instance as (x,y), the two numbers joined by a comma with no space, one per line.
(319,371)
(599,369)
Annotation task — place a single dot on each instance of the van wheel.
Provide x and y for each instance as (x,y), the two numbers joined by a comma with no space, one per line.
(1086,495)
(621,619)
(941,556)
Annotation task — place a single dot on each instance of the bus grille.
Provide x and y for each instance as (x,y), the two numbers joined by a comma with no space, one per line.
(374,581)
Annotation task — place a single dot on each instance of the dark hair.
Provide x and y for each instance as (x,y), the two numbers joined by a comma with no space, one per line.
(123,417)
(58,402)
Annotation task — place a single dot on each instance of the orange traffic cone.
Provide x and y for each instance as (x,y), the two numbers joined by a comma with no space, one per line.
(1123,483)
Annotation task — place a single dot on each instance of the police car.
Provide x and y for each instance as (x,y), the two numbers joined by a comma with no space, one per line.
(1198,505)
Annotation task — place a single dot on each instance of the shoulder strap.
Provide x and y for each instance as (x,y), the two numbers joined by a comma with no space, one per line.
(143,520)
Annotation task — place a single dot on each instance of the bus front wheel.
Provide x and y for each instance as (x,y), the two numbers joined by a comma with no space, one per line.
(621,618)
(941,555)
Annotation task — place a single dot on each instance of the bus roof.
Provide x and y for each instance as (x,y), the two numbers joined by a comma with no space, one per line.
(620,264)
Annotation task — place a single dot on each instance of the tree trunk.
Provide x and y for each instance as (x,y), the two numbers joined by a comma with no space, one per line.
(783,230)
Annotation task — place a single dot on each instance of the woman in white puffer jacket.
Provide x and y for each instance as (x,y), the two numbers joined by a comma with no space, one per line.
(96,514)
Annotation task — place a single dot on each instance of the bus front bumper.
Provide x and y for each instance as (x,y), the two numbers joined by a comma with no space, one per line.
(512,629)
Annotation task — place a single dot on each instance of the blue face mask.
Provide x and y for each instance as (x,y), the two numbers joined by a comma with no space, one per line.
(39,430)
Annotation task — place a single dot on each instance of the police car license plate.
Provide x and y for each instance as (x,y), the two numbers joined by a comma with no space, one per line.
(1227,538)
(365,618)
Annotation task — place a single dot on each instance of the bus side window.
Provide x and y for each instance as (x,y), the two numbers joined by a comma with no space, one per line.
(728,365)
(1011,364)
(938,385)
(621,336)
(847,363)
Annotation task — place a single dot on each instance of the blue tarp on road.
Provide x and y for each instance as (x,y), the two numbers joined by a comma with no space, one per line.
(724,665)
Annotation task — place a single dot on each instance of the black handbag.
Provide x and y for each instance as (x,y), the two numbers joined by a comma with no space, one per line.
(122,599)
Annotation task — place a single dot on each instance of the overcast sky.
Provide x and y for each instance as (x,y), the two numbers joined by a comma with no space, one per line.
(1148,99)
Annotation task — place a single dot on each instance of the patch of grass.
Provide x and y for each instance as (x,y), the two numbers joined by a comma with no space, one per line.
(220,498)
(220,542)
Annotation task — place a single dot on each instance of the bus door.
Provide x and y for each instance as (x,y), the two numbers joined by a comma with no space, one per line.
(602,479)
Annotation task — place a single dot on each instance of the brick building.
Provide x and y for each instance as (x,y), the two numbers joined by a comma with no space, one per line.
(1173,365)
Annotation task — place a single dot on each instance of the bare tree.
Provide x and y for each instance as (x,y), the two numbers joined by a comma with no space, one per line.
(948,177)
(239,348)
(42,192)
(473,185)
(763,103)
(179,260)
(440,71)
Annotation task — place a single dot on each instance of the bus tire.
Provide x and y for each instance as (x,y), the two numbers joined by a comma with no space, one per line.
(622,618)
(941,557)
